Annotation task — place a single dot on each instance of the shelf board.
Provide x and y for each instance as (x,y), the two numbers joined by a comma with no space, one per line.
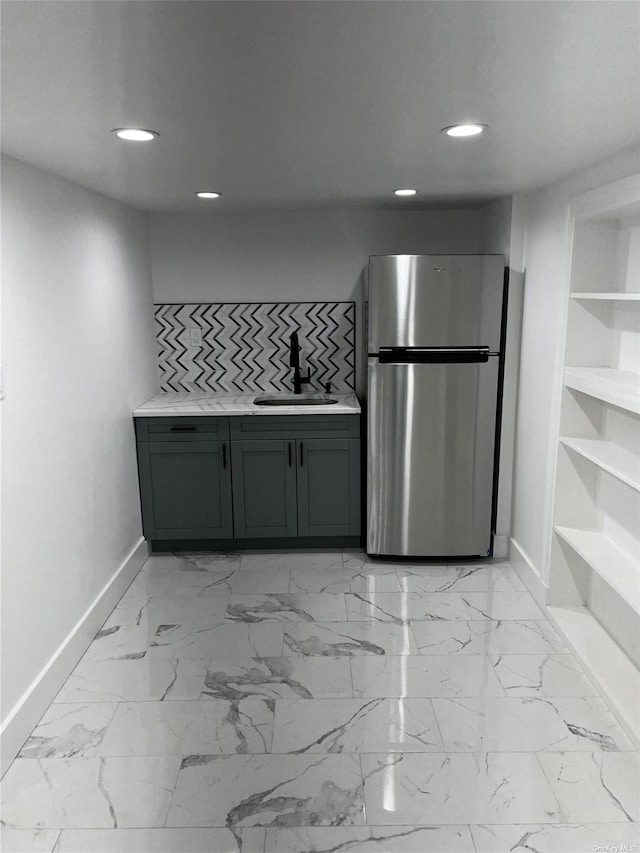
(615,566)
(619,295)
(613,673)
(615,460)
(618,387)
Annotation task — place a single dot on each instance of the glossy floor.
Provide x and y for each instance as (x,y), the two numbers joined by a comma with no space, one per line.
(318,702)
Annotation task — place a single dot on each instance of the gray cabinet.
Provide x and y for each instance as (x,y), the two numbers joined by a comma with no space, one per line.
(185,478)
(300,487)
(297,474)
(186,490)
(264,489)
(328,476)
(250,478)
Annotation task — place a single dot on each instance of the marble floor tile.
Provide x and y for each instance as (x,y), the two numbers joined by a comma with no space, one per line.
(134,680)
(461,578)
(399,607)
(595,786)
(286,607)
(485,638)
(278,678)
(162,562)
(29,840)
(370,839)
(512,724)
(557,838)
(169,609)
(120,642)
(260,580)
(497,574)
(355,725)
(161,841)
(348,638)
(130,610)
(355,559)
(188,583)
(68,730)
(88,793)
(424,675)
(268,790)
(188,561)
(235,702)
(502,605)
(187,727)
(201,640)
(457,789)
(362,579)
(542,675)
(306,560)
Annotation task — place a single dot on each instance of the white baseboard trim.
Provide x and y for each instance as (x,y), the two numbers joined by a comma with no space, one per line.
(500,547)
(28,710)
(527,572)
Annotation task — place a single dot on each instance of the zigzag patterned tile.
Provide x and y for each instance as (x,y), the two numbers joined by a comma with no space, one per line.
(245,346)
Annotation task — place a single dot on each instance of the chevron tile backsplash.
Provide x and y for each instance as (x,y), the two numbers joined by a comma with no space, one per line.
(245,346)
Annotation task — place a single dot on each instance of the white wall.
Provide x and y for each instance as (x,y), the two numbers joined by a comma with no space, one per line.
(301,255)
(78,355)
(495,228)
(297,256)
(540,381)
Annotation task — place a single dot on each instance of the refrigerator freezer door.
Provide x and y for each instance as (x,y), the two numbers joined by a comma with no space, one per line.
(434,300)
(431,435)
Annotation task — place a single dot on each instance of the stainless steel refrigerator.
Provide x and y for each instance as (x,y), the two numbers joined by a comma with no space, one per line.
(433,340)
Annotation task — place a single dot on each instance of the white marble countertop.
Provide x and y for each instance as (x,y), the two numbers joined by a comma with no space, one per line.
(189,403)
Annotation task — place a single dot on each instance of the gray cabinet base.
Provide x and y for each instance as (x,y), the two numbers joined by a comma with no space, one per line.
(296,543)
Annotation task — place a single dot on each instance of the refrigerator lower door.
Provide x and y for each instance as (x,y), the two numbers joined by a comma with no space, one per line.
(431,438)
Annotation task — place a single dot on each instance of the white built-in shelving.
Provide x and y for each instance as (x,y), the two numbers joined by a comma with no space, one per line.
(609,457)
(608,296)
(615,566)
(594,580)
(618,387)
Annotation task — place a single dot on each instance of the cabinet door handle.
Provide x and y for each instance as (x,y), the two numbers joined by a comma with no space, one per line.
(301,455)
(289,454)
(224,455)
(183,428)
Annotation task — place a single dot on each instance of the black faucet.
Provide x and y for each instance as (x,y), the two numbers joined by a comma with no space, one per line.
(294,361)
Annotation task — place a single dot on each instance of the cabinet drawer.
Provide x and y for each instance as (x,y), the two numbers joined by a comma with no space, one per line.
(296,426)
(195,428)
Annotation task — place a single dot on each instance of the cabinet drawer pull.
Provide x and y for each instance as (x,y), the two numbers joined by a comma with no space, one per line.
(224,455)
(301,455)
(289,445)
(190,428)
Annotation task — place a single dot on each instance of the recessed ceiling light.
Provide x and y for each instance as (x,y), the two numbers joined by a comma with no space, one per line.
(464,129)
(405,192)
(208,195)
(135,134)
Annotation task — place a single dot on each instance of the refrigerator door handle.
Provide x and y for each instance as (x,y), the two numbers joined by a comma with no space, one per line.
(433,355)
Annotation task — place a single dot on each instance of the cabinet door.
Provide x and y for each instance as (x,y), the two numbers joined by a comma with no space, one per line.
(328,486)
(186,490)
(264,489)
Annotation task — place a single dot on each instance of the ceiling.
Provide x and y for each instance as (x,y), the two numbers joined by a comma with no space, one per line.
(305,103)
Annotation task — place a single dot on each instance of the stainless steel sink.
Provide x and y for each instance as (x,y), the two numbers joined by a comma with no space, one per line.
(294,400)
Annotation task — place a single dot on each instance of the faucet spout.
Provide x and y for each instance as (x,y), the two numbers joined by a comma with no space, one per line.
(294,361)
(294,350)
